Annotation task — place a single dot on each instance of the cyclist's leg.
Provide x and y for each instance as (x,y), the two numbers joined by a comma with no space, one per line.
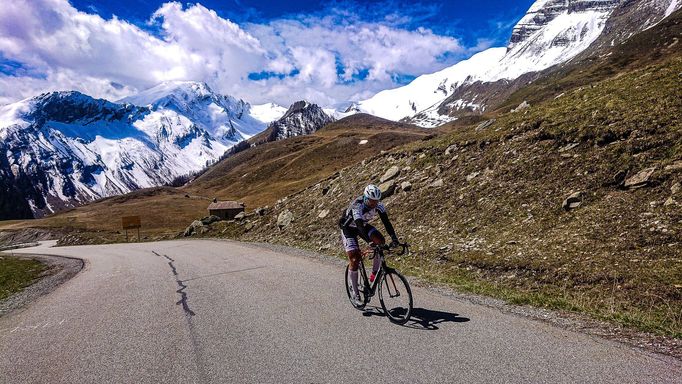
(350,244)
(378,239)
(376,236)
(354,258)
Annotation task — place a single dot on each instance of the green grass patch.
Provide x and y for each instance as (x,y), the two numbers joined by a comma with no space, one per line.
(16,274)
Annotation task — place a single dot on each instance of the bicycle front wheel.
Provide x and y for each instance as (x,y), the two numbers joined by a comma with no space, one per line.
(396,297)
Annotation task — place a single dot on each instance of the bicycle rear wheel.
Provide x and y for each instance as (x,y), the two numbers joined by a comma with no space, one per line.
(359,304)
(396,297)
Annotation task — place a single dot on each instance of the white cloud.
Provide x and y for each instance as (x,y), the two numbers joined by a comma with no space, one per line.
(75,50)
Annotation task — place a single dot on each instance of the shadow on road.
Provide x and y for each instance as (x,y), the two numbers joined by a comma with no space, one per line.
(421,318)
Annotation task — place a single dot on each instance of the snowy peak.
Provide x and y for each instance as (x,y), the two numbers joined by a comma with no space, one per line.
(187,98)
(169,91)
(299,107)
(71,106)
(428,91)
(267,113)
(552,32)
(222,116)
(302,118)
(542,12)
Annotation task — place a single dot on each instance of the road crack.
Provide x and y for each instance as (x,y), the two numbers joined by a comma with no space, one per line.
(193,340)
(181,291)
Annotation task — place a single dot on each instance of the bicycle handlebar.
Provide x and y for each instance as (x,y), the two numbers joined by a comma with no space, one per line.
(387,247)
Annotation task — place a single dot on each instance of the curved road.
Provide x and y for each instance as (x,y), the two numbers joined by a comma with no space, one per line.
(216,311)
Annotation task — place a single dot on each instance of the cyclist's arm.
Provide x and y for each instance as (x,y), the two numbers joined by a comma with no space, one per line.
(356,213)
(388,226)
(362,230)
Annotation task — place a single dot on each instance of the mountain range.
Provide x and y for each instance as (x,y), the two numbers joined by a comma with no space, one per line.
(63,149)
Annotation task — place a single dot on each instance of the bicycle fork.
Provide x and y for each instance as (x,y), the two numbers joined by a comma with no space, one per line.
(391,287)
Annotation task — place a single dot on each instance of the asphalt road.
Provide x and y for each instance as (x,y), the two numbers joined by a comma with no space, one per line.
(214,311)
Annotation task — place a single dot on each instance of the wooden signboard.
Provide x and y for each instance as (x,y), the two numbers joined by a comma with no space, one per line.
(131,222)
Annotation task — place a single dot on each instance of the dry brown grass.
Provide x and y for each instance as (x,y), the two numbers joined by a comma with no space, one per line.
(262,175)
(259,176)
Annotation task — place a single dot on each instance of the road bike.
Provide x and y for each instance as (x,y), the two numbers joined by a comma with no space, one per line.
(394,291)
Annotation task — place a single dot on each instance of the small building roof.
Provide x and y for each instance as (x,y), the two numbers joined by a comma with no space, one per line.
(226,205)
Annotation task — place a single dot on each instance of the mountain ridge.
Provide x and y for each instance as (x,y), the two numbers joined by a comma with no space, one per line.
(65,148)
(552,33)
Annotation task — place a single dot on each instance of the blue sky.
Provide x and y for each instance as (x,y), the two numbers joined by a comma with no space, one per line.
(468,20)
(261,51)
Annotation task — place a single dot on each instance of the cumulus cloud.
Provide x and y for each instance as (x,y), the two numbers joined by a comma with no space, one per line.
(325,58)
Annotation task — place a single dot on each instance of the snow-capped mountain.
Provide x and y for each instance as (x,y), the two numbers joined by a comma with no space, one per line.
(62,149)
(302,118)
(552,32)
(630,18)
(225,118)
(267,112)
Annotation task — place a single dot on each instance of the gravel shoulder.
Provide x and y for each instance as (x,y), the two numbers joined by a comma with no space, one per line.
(60,269)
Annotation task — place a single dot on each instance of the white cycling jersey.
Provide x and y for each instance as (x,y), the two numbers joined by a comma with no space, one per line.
(358,210)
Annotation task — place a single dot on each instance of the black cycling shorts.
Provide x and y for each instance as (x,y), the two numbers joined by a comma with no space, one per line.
(349,237)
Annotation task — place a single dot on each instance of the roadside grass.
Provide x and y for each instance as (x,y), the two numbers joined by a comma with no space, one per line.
(16,274)
(657,315)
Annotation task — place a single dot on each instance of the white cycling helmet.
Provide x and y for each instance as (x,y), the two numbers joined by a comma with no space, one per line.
(372,192)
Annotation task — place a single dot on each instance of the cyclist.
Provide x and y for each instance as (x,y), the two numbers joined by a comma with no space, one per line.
(354,223)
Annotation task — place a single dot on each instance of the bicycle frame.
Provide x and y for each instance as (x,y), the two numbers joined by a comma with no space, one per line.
(373,286)
(371,290)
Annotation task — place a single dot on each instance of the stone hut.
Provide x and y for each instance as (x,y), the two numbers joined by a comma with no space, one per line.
(226,210)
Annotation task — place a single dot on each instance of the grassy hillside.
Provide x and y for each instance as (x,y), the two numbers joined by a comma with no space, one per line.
(268,172)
